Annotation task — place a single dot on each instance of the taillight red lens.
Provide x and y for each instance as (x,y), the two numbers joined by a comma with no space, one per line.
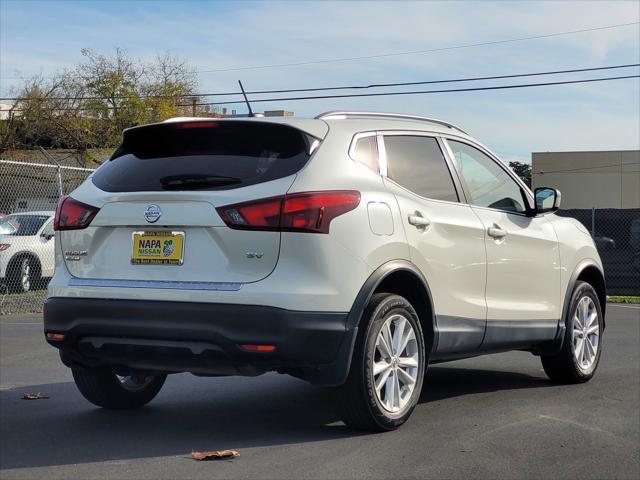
(256,215)
(73,215)
(298,212)
(313,211)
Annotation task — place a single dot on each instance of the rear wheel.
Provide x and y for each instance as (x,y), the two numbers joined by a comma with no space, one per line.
(122,390)
(582,347)
(387,368)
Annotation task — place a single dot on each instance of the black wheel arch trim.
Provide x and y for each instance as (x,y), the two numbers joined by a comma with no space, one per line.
(360,303)
(556,345)
(580,268)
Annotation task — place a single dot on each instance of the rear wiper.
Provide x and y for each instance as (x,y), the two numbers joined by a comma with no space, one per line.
(196,181)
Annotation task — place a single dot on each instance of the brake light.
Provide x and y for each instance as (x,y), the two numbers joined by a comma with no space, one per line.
(297,212)
(73,215)
(198,124)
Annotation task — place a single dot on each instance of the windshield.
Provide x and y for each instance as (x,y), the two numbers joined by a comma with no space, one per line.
(211,155)
(22,225)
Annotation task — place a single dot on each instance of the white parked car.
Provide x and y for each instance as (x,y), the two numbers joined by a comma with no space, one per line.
(26,249)
(350,250)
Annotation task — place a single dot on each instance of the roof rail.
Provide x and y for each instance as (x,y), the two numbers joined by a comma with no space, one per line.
(388,115)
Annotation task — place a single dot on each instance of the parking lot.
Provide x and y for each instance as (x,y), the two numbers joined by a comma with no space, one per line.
(494,416)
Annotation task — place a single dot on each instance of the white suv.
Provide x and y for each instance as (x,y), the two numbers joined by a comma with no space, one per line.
(349,250)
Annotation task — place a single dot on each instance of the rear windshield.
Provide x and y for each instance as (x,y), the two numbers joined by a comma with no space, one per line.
(203,155)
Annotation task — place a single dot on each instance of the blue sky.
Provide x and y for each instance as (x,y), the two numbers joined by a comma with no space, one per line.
(46,36)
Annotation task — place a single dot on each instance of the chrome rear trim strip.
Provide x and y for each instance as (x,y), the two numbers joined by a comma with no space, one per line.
(159,284)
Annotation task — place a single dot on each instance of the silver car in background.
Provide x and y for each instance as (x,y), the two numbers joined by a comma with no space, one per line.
(26,250)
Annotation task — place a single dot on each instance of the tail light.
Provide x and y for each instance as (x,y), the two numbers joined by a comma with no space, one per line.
(297,212)
(73,215)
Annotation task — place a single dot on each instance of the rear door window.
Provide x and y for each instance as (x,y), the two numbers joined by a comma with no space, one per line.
(203,155)
(417,163)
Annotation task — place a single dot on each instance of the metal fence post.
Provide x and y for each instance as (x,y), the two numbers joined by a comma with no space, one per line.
(60,185)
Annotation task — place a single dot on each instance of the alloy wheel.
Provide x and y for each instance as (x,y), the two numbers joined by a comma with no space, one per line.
(134,381)
(25,275)
(586,333)
(395,363)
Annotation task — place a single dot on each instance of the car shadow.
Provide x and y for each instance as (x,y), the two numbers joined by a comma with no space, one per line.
(448,382)
(210,414)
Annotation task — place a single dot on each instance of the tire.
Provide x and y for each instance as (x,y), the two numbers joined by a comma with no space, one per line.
(23,274)
(578,360)
(102,387)
(361,404)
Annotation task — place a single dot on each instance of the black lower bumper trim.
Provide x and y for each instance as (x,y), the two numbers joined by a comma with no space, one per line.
(202,338)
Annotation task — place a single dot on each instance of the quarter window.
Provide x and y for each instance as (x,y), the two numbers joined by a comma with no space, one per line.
(417,163)
(366,152)
(488,184)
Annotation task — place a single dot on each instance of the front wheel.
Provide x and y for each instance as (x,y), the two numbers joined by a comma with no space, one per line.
(23,275)
(582,346)
(122,390)
(387,369)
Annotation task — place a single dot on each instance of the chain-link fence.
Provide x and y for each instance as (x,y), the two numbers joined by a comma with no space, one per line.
(616,232)
(29,193)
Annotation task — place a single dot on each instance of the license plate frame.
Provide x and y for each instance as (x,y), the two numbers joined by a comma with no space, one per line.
(141,254)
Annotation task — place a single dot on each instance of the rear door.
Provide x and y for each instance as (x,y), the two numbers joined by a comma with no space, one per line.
(523,260)
(445,237)
(157,199)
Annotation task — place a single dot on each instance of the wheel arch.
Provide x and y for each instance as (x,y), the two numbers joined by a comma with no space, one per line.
(396,276)
(22,254)
(402,278)
(587,271)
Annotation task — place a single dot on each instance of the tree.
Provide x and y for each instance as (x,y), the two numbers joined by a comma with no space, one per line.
(89,105)
(523,170)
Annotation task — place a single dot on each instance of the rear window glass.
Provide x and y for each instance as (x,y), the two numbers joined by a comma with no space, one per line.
(203,156)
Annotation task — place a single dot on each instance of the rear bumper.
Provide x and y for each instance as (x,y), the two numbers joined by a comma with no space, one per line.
(202,338)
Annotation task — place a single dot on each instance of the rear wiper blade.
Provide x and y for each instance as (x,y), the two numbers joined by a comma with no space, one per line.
(195,181)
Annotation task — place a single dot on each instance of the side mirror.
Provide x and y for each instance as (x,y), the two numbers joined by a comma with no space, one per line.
(47,235)
(547,199)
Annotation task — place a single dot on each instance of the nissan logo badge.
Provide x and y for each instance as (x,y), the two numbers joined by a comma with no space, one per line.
(152,213)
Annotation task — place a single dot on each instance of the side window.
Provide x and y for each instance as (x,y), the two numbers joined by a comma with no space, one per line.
(366,152)
(488,184)
(417,163)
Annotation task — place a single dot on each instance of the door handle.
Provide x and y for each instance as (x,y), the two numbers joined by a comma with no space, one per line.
(418,220)
(496,232)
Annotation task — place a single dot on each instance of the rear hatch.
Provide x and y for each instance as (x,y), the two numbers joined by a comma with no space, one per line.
(156,199)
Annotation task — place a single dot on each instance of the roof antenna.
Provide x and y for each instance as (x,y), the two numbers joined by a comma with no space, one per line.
(246,100)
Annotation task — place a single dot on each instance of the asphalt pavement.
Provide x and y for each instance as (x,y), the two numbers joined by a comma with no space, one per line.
(488,417)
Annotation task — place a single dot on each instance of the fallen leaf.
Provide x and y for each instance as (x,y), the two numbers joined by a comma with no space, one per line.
(35,396)
(215,455)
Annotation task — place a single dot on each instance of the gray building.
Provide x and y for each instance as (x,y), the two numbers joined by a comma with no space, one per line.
(606,179)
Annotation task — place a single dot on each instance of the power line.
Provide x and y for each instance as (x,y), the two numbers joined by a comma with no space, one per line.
(380,94)
(350,87)
(419,92)
(414,52)
(544,172)
(410,52)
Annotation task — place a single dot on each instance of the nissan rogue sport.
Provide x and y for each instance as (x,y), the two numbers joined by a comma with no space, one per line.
(350,250)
